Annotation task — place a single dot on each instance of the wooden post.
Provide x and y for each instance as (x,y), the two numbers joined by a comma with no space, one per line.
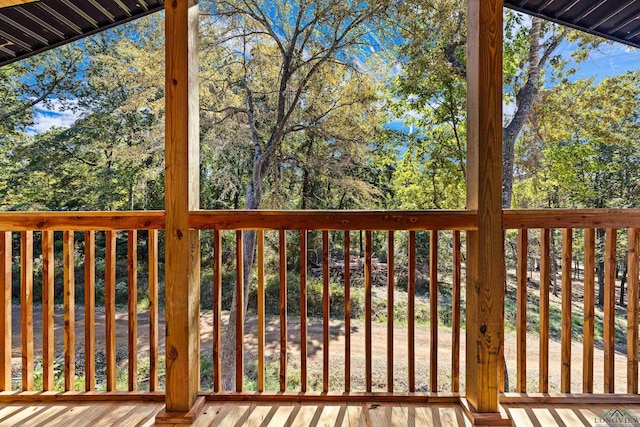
(5,311)
(485,275)
(182,250)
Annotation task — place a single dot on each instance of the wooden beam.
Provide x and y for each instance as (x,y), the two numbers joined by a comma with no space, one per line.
(521,311)
(89,308)
(26,308)
(455,315)
(589,309)
(182,245)
(571,218)
(610,309)
(5,311)
(153,309)
(485,275)
(567,283)
(110,307)
(48,300)
(329,220)
(68,249)
(217,311)
(81,221)
(8,3)
(632,313)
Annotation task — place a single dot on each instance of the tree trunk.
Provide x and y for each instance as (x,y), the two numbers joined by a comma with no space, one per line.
(600,267)
(623,282)
(554,264)
(229,335)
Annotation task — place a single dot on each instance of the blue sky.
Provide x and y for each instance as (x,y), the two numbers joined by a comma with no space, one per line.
(608,60)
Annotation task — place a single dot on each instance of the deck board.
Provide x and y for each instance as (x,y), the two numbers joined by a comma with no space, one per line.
(334,415)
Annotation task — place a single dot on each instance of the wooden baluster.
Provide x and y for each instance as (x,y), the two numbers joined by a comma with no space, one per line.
(347,311)
(632,313)
(455,316)
(433,309)
(260,238)
(325,311)
(89,310)
(48,301)
(501,358)
(390,307)
(521,311)
(610,309)
(567,255)
(545,277)
(303,310)
(153,310)
(283,310)
(110,308)
(132,286)
(26,307)
(217,310)
(411,291)
(589,308)
(5,311)
(239,311)
(368,318)
(68,249)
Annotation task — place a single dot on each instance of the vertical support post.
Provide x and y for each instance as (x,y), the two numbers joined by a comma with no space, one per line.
(589,309)
(132,287)
(521,311)
(89,309)
(48,267)
(5,311)
(182,250)
(110,306)
(68,251)
(485,275)
(632,313)
(26,308)
(567,300)
(153,309)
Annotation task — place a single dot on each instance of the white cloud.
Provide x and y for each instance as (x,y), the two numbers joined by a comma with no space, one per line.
(46,118)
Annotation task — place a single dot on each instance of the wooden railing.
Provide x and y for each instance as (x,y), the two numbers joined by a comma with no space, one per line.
(330,224)
(610,222)
(79,231)
(40,226)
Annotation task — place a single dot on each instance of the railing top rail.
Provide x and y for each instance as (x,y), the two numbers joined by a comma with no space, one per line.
(81,221)
(321,220)
(334,220)
(571,218)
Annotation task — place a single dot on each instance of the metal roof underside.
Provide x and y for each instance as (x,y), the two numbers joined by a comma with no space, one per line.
(31,28)
(617,20)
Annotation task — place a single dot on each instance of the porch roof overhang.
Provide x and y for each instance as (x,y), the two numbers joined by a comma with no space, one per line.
(617,20)
(29,27)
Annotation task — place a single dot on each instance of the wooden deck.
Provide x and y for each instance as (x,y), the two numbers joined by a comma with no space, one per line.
(263,415)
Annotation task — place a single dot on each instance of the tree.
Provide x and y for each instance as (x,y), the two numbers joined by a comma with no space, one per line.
(432,86)
(37,80)
(111,156)
(583,150)
(274,54)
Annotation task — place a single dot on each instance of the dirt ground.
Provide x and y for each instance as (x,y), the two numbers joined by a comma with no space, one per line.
(336,350)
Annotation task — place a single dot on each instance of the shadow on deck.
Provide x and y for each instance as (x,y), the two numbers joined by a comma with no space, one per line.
(330,415)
